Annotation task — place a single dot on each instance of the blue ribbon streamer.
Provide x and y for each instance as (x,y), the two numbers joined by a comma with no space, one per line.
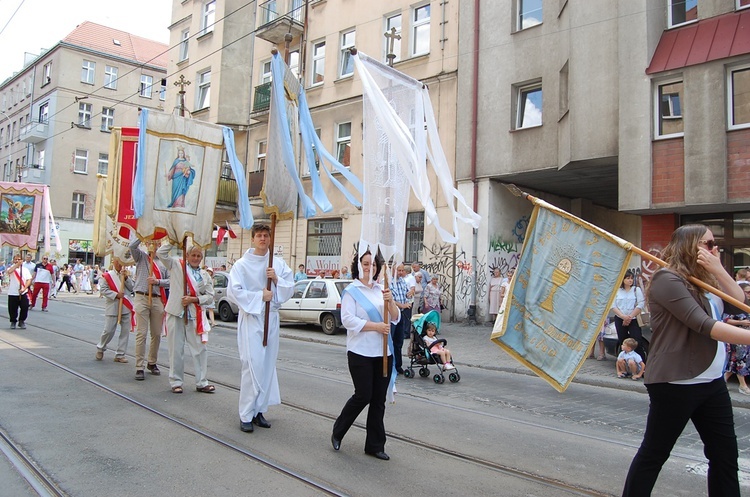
(238,170)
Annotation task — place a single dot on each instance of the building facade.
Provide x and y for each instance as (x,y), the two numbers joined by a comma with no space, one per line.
(56,118)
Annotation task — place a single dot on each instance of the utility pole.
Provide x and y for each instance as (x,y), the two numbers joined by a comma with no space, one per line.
(182,83)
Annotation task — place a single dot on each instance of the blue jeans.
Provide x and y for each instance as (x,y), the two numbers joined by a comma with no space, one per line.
(709,407)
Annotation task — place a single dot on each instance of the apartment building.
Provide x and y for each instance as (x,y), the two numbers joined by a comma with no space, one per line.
(57,113)
(632,115)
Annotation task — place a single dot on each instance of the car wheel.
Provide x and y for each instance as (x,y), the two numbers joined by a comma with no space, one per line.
(225,312)
(328,322)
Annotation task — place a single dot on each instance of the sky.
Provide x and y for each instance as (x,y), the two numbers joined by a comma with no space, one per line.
(42,23)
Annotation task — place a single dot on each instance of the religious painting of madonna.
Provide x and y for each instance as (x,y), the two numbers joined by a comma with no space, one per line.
(178,177)
(16,213)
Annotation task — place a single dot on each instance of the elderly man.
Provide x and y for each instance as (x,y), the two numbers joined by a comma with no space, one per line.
(190,301)
(116,287)
(402,295)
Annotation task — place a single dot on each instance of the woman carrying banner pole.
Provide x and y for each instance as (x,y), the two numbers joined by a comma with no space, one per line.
(686,363)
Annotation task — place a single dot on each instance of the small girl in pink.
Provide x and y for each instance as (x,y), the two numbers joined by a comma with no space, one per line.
(429,339)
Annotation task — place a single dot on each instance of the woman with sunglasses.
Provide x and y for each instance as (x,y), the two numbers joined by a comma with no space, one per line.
(685,380)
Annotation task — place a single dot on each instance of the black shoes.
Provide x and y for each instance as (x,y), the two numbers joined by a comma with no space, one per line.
(21,325)
(335,442)
(154,369)
(139,375)
(261,421)
(379,455)
(246,427)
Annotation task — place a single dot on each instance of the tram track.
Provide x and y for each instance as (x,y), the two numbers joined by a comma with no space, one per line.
(25,466)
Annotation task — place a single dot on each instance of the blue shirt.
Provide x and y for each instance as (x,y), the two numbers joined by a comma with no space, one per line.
(399,290)
(299,276)
(630,355)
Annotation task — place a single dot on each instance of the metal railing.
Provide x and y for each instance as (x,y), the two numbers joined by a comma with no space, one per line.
(227,191)
(270,10)
(262,99)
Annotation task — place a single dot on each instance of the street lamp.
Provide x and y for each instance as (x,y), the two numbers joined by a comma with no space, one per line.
(10,152)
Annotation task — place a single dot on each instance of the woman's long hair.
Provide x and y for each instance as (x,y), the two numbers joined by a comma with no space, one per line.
(627,273)
(681,255)
(377,260)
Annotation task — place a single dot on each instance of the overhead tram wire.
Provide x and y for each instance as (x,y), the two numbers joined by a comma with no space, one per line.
(12,16)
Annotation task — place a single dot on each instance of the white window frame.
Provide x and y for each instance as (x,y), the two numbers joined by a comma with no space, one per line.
(318,58)
(84,114)
(520,13)
(108,118)
(44,113)
(260,156)
(520,94)
(184,45)
(396,43)
(416,26)
(343,140)
(203,95)
(103,164)
(739,6)
(730,96)
(147,83)
(81,161)
(670,7)
(347,41)
(78,206)
(40,159)
(208,17)
(47,73)
(265,72)
(305,168)
(294,58)
(163,90)
(657,108)
(110,77)
(88,72)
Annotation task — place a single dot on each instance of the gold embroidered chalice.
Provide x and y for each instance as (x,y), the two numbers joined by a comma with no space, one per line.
(560,276)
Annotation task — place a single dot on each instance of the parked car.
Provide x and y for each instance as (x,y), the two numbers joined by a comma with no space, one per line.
(315,301)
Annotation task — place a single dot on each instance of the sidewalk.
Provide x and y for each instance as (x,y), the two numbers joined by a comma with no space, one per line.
(471,345)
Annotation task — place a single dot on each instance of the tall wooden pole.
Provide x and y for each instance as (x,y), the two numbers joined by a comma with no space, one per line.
(268,283)
(386,315)
(122,289)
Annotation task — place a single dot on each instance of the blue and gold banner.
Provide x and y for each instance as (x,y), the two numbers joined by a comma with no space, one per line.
(562,290)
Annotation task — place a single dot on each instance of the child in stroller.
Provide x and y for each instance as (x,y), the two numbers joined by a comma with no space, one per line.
(426,349)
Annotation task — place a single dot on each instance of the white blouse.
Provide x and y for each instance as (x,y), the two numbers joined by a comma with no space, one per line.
(628,300)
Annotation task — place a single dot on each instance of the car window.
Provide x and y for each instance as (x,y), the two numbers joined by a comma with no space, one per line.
(341,285)
(317,290)
(299,289)
(220,281)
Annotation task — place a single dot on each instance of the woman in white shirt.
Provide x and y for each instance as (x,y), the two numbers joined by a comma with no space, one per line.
(628,304)
(363,300)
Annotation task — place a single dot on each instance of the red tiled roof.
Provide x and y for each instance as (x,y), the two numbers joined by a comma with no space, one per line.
(101,38)
(706,40)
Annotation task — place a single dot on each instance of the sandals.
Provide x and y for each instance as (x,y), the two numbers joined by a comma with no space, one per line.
(206,389)
(176,389)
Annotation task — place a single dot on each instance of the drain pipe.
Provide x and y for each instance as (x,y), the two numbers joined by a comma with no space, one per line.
(471,313)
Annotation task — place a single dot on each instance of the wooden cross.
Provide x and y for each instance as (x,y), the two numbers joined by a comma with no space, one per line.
(391,36)
(182,83)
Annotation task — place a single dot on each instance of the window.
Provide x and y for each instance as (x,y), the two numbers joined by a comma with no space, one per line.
(204,90)
(2,133)
(81,161)
(108,118)
(420,43)
(529,13)
(390,23)
(669,109)
(13,132)
(260,159)
(208,18)
(739,97)
(294,63)
(44,113)
(741,4)
(87,72)
(103,165)
(184,44)
(146,83)
(347,63)
(344,143)
(305,167)
(323,240)
(265,73)
(255,178)
(529,106)
(46,73)
(79,203)
(84,115)
(682,12)
(40,159)
(414,236)
(318,63)
(110,77)
(163,90)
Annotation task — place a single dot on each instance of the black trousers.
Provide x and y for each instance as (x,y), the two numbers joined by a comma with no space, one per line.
(370,387)
(709,407)
(16,302)
(399,332)
(630,331)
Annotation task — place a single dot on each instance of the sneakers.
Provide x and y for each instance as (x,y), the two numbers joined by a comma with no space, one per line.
(22,325)
(744,391)
(12,326)
(99,355)
(123,359)
(154,369)
(449,366)
(139,375)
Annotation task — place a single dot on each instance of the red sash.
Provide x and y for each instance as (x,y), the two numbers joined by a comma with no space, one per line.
(158,276)
(201,322)
(114,285)
(21,289)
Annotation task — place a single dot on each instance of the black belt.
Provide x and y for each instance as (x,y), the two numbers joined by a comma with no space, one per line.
(144,293)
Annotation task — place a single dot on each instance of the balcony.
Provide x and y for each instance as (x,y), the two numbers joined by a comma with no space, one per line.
(227,192)
(261,102)
(273,24)
(34,133)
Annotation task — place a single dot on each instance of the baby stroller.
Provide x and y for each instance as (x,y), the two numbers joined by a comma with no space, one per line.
(419,354)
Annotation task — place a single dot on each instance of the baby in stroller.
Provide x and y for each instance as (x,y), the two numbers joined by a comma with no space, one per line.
(426,349)
(436,347)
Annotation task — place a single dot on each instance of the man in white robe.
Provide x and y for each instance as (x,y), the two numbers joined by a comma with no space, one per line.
(259,385)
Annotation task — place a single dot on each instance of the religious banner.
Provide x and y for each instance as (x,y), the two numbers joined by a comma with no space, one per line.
(121,178)
(110,237)
(562,290)
(177,177)
(23,207)
(399,138)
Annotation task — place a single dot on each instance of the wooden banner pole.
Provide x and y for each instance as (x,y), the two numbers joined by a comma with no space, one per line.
(268,284)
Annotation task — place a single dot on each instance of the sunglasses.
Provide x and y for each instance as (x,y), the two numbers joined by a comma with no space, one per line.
(710,244)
